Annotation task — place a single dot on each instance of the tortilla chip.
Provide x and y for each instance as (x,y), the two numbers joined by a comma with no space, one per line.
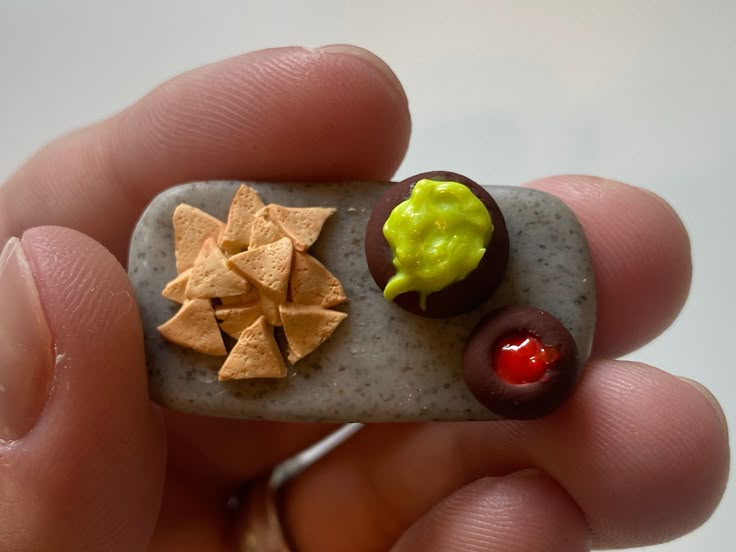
(241,300)
(195,327)
(312,284)
(264,231)
(176,288)
(243,209)
(267,267)
(307,327)
(270,310)
(192,227)
(212,277)
(301,224)
(255,355)
(235,319)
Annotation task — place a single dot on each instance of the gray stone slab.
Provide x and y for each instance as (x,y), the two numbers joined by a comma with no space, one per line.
(382,363)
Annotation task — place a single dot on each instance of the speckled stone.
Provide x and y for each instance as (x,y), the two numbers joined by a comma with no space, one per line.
(382,363)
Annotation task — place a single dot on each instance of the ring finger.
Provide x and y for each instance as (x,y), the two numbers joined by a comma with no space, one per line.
(642,454)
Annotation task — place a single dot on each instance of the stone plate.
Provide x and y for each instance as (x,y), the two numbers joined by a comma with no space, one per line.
(382,364)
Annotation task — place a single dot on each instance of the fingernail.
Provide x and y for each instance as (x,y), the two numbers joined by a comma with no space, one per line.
(26,357)
(371,59)
(708,396)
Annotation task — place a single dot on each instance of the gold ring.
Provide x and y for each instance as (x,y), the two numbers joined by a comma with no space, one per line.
(259,522)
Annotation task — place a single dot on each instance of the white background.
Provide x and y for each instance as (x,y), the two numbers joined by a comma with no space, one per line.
(640,91)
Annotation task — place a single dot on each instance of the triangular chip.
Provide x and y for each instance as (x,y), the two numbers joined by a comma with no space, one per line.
(312,284)
(242,299)
(176,288)
(270,310)
(301,224)
(263,231)
(255,355)
(307,327)
(235,319)
(212,277)
(267,267)
(236,236)
(192,227)
(195,327)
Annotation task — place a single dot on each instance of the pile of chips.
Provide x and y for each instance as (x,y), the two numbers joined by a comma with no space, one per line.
(248,276)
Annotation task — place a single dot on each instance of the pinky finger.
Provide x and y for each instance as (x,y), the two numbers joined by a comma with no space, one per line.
(526,511)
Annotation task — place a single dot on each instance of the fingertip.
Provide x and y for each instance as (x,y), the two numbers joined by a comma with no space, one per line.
(644,454)
(95,457)
(710,398)
(281,114)
(356,52)
(641,257)
(278,114)
(519,512)
(94,322)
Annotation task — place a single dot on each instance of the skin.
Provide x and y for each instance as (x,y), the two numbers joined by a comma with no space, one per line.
(637,456)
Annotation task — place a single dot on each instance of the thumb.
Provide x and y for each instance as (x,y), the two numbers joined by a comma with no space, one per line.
(82,451)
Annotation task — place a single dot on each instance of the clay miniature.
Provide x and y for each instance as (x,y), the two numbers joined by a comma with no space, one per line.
(382,362)
(458,294)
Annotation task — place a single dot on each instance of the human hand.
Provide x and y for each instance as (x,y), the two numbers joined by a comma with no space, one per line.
(636,456)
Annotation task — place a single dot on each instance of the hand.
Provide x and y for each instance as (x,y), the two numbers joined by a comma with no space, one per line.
(637,455)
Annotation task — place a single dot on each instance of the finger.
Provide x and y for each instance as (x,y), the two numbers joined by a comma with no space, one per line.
(643,454)
(83,461)
(191,520)
(523,512)
(641,258)
(215,450)
(280,114)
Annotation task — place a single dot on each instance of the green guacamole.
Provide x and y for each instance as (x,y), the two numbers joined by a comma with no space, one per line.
(437,236)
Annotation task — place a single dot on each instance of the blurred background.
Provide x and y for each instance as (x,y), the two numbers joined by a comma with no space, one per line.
(504,92)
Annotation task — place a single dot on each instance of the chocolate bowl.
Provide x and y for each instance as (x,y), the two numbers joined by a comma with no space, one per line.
(534,384)
(461,296)
(383,363)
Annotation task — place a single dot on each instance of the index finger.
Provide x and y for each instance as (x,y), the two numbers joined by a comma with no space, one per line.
(336,113)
